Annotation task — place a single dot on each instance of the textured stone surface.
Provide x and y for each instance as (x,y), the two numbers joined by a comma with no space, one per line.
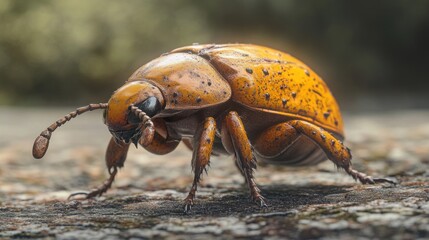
(146,199)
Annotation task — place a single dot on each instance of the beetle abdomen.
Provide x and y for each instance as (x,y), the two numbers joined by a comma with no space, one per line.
(302,152)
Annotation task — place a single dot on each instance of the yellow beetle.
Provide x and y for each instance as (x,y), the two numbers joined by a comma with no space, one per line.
(253,102)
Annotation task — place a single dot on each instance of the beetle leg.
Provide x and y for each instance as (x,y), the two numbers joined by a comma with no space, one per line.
(240,170)
(115,157)
(235,140)
(203,145)
(273,140)
(335,150)
(160,145)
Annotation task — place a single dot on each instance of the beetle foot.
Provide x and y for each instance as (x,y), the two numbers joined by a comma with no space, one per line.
(88,195)
(385,180)
(371,180)
(78,193)
(260,201)
(100,190)
(365,179)
(189,202)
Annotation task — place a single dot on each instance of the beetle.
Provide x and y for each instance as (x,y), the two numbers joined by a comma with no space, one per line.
(250,101)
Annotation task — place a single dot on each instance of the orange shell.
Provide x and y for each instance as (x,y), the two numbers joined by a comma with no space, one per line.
(268,80)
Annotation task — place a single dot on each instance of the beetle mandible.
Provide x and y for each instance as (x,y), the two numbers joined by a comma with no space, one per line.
(250,101)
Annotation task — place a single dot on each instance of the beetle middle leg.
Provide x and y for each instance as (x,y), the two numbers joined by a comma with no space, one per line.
(116,154)
(335,150)
(202,149)
(235,141)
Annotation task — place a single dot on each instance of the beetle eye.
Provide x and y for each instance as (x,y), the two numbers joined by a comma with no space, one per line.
(151,106)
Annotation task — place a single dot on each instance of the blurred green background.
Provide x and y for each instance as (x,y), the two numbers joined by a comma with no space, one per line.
(373,54)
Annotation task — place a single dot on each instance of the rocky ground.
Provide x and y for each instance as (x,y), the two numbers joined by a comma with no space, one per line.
(146,199)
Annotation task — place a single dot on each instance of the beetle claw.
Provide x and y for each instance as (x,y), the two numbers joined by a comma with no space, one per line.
(260,201)
(263,204)
(78,193)
(188,208)
(188,205)
(386,180)
(365,179)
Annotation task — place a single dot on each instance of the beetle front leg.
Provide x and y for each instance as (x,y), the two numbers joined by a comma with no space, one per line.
(202,149)
(160,145)
(235,140)
(335,150)
(116,154)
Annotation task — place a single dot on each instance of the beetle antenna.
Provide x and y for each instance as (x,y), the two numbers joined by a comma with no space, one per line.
(42,141)
(149,129)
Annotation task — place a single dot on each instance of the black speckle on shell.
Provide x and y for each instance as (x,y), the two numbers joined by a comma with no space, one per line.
(265,71)
(284,102)
(267,96)
(307,72)
(326,115)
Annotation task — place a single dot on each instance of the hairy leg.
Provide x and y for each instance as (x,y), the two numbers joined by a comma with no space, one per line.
(335,150)
(202,149)
(116,154)
(235,140)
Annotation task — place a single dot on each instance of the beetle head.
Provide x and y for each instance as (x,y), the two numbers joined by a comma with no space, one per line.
(130,109)
(127,115)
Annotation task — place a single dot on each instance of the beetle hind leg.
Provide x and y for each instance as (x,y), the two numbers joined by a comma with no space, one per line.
(335,150)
